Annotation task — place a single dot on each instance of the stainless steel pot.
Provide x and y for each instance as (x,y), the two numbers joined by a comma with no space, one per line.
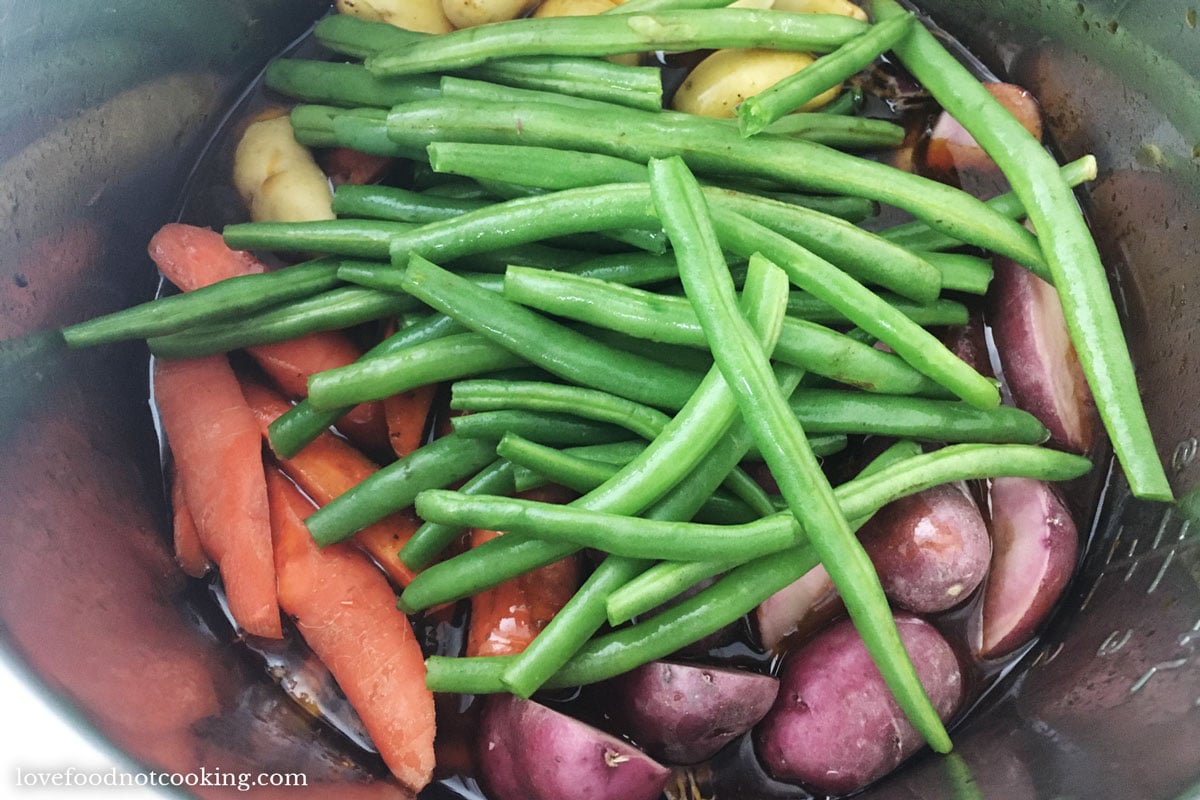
(104,105)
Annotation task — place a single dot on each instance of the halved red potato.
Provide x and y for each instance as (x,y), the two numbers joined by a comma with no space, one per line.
(951,147)
(1034,548)
(685,713)
(1040,365)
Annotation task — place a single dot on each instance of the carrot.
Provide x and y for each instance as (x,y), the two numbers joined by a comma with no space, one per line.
(192,257)
(346,611)
(188,550)
(327,468)
(506,618)
(406,414)
(344,165)
(218,454)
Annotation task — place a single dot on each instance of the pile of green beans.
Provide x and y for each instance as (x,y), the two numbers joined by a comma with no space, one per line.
(638,304)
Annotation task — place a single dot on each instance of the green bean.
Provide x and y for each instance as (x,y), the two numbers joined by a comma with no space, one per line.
(632,537)
(663,318)
(292,431)
(940,312)
(312,125)
(918,347)
(457,356)
(1070,251)
(433,466)
(849,102)
(760,110)
(524,220)
(553,168)
(547,344)
(781,439)
(659,585)
(917,235)
(638,87)
(218,302)
(844,132)
(836,411)
(680,446)
(398,205)
(364,130)
(604,35)
(348,85)
(961,272)
(542,167)
(356,238)
(861,253)
(541,427)
(332,310)
(431,539)
(715,148)
(550,397)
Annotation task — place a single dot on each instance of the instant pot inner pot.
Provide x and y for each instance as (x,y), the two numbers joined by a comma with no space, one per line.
(104,107)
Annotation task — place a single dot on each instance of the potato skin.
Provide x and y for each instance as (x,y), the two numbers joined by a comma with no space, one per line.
(841,7)
(931,549)
(685,713)
(469,13)
(423,16)
(277,177)
(834,726)
(530,752)
(1036,545)
(1040,364)
(720,82)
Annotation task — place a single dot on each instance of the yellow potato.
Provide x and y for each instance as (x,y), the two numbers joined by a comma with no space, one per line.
(585,8)
(468,13)
(761,5)
(841,7)
(424,16)
(720,82)
(276,176)
(573,8)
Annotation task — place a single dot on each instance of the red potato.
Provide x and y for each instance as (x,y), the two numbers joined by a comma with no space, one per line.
(835,726)
(798,610)
(930,549)
(1039,362)
(530,752)
(684,714)
(1035,546)
(951,147)
(346,166)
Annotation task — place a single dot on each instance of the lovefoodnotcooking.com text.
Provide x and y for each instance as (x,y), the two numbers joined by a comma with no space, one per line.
(71,778)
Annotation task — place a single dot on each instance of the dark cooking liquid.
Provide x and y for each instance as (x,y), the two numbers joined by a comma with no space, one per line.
(209,200)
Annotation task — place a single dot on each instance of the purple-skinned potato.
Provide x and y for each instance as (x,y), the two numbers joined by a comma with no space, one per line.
(1034,549)
(835,726)
(1041,367)
(530,752)
(685,713)
(930,549)
(798,610)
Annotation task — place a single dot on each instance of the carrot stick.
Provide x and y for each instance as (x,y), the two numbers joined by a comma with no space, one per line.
(406,414)
(188,550)
(327,468)
(507,617)
(218,454)
(192,257)
(346,611)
